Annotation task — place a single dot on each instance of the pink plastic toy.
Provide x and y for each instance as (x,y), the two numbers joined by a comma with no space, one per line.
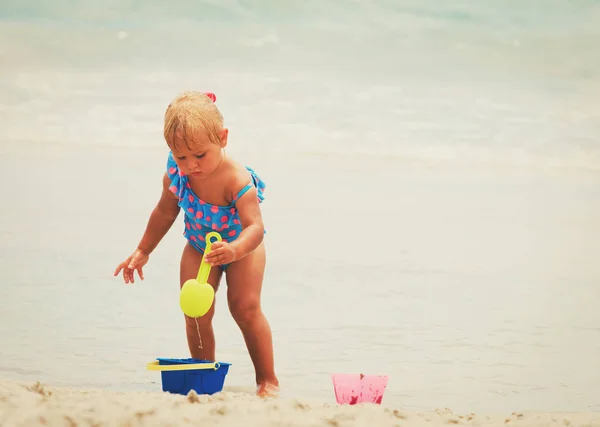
(359,388)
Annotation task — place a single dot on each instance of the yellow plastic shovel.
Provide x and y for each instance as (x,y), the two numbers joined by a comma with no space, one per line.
(197,295)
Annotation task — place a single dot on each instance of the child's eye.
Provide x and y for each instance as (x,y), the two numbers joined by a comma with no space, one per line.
(181,157)
(200,155)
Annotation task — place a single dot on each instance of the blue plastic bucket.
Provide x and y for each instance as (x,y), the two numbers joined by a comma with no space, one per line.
(179,376)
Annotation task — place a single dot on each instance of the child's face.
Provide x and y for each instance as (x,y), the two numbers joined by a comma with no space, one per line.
(200,159)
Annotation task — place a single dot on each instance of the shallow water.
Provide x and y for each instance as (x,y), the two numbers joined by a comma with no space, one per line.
(432,210)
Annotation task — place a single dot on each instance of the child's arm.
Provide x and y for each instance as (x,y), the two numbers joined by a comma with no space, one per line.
(162,218)
(252,224)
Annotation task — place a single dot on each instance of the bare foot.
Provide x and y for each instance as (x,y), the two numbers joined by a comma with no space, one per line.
(267,390)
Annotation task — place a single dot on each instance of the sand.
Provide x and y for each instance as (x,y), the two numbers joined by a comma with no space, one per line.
(36,404)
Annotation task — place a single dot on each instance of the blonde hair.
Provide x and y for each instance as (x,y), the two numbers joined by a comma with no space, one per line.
(189,113)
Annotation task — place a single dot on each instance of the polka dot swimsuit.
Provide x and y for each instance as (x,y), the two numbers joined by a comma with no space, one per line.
(200,217)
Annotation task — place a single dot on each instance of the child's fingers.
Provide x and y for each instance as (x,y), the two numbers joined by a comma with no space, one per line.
(140,272)
(120,267)
(128,271)
(213,253)
(218,255)
(118,270)
(218,258)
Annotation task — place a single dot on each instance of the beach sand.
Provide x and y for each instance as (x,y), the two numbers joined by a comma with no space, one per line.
(37,404)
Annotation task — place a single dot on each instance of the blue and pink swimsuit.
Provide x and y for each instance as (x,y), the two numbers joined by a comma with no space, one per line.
(200,217)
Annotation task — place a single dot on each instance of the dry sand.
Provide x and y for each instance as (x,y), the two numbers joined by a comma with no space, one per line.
(35,404)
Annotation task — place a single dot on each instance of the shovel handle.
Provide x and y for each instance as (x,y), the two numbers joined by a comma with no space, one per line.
(204,269)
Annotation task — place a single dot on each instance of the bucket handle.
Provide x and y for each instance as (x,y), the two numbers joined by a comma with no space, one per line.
(155,366)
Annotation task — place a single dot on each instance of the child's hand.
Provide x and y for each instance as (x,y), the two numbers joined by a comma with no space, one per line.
(220,253)
(134,262)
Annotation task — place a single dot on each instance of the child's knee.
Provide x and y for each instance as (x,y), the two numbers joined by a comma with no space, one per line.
(244,311)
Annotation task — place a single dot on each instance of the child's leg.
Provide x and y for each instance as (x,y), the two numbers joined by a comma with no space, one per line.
(244,284)
(190,262)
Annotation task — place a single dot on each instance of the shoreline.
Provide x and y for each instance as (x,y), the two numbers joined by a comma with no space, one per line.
(38,404)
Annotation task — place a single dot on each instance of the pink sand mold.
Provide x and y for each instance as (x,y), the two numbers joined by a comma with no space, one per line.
(352,389)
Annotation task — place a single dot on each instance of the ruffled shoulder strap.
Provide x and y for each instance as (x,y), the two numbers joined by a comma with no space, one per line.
(256,182)
(174,174)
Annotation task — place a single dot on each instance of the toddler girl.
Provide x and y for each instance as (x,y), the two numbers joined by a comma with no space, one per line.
(215,193)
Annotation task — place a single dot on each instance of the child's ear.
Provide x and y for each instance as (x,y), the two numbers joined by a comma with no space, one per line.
(223,137)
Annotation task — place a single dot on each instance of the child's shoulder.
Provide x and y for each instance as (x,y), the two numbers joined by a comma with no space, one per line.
(237,175)
(239,179)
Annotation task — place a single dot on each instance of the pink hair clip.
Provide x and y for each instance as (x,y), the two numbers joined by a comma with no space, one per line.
(211,96)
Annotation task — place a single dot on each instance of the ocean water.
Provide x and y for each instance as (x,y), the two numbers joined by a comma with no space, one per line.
(433,173)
